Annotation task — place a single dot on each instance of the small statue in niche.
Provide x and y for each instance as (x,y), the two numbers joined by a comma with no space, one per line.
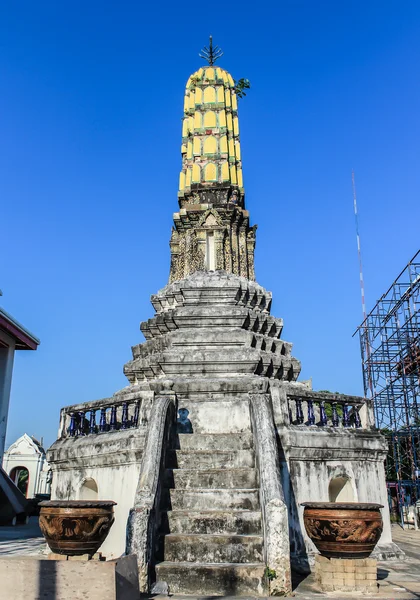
(183,424)
(234,199)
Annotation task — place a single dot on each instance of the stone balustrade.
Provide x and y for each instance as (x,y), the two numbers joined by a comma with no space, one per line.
(326,410)
(100,416)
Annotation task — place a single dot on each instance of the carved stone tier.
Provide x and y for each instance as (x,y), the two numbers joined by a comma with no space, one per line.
(206,238)
(213,324)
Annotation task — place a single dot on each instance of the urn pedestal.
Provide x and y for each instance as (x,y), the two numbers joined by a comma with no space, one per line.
(76,527)
(343,529)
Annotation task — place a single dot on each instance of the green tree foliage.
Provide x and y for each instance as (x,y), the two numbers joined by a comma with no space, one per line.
(22,482)
(240,86)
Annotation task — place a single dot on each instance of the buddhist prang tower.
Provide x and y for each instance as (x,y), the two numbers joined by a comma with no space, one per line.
(211,230)
(213,445)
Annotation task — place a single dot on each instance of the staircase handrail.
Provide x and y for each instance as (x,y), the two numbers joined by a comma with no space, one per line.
(273,506)
(143,518)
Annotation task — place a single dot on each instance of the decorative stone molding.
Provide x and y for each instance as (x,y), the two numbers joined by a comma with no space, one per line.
(212,323)
(234,241)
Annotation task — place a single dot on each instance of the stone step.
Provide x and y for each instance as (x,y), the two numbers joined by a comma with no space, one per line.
(214,441)
(210,478)
(212,521)
(214,459)
(202,499)
(231,579)
(198,548)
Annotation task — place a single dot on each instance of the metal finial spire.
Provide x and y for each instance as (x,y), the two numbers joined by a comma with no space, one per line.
(211,54)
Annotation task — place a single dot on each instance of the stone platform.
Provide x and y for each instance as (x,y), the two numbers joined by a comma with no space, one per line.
(32,578)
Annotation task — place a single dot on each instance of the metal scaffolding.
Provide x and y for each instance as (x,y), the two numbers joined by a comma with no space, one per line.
(390,349)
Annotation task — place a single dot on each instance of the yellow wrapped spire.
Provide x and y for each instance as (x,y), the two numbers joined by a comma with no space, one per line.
(211,156)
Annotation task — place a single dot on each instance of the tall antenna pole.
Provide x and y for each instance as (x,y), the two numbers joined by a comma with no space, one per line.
(359,251)
(362,284)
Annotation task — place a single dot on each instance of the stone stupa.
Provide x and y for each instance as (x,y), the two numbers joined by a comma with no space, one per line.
(214,444)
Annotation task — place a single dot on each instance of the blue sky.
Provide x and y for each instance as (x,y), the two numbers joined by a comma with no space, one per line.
(90,114)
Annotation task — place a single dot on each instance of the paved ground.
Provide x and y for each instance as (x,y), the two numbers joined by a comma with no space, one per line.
(397,580)
(22,539)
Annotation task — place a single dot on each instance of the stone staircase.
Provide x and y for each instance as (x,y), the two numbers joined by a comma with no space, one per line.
(211,533)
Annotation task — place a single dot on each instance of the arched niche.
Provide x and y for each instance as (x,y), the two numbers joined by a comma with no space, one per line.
(197,120)
(225,171)
(210,119)
(237,150)
(185,127)
(210,172)
(231,148)
(198,96)
(223,145)
(240,177)
(197,146)
(20,477)
(188,178)
(210,145)
(230,122)
(341,490)
(89,490)
(209,95)
(210,74)
(235,126)
(189,150)
(182,180)
(196,173)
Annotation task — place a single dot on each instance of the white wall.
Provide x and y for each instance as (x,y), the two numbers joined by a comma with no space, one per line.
(117,483)
(6,368)
(310,482)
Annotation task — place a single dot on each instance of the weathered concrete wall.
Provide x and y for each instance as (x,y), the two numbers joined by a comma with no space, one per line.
(112,461)
(312,459)
(231,416)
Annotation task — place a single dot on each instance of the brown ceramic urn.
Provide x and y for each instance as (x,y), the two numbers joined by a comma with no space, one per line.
(343,529)
(76,527)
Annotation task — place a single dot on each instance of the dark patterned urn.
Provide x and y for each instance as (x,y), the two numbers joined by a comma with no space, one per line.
(76,527)
(343,529)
